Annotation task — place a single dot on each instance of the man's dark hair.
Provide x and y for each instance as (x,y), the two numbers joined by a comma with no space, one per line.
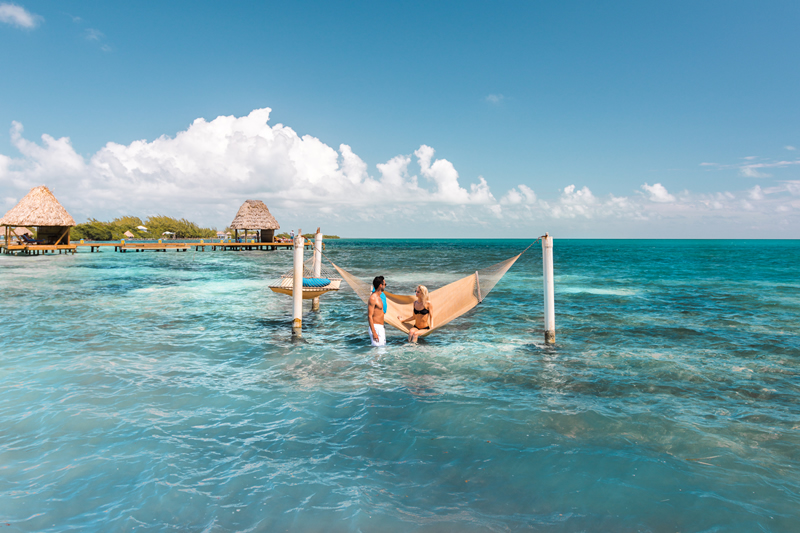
(377,282)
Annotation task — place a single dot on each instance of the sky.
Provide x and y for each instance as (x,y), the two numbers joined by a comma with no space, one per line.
(411,119)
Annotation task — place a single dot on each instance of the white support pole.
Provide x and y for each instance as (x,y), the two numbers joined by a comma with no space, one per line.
(549,290)
(317,264)
(297,286)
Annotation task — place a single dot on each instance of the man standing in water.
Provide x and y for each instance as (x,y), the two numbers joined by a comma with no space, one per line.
(376,307)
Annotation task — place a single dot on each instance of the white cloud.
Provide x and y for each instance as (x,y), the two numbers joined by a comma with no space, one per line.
(205,172)
(755,193)
(92,34)
(98,37)
(525,195)
(751,171)
(792,187)
(754,170)
(18,16)
(574,203)
(495,98)
(658,193)
(444,174)
(791,148)
(217,164)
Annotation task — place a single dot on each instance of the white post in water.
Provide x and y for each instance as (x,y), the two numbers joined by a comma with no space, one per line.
(317,264)
(549,290)
(297,286)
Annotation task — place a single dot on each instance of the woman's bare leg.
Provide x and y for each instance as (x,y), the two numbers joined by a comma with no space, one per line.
(412,334)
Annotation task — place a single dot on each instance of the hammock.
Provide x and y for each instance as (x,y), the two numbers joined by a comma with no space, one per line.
(313,287)
(449,302)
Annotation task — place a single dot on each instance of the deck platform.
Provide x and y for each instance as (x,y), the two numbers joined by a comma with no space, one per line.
(36,249)
(152,247)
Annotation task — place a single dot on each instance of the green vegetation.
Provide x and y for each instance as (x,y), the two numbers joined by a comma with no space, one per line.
(96,230)
(309,236)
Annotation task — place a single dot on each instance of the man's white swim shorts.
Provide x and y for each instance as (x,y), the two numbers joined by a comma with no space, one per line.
(381,335)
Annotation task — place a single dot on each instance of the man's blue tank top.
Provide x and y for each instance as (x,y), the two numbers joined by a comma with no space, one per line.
(383,298)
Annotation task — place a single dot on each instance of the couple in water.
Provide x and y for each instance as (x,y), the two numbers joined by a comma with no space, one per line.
(377,307)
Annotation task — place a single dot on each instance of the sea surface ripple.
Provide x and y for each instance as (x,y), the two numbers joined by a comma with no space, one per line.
(163,392)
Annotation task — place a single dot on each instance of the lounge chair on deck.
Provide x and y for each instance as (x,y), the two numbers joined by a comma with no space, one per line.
(30,240)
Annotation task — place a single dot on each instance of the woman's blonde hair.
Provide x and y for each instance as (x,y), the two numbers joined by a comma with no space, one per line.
(424,291)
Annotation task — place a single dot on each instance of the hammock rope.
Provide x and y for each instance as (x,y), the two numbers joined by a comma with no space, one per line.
(449,302)
(313,286)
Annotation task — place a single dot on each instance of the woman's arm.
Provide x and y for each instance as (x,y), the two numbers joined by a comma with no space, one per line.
(401,319)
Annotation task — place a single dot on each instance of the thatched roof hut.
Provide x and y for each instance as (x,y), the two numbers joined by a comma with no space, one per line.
(129,235)
(41,209)
(254,215)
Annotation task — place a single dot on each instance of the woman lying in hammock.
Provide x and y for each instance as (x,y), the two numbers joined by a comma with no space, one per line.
(423,314)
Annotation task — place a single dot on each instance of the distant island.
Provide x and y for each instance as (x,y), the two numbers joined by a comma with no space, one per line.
(155,228)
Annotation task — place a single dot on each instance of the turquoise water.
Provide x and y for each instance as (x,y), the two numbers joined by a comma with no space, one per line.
(162,391)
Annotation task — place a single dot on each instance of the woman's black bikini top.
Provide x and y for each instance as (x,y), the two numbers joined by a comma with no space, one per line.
(421,312)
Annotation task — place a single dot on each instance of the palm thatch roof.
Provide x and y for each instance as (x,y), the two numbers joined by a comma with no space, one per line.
(254,215)
(19,232)
(38,208)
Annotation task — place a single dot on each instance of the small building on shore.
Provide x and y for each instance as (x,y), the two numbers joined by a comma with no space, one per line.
(254,216)
(129,235)
(40,209)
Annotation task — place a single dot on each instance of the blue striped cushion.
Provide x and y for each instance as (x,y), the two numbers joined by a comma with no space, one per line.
(316,282)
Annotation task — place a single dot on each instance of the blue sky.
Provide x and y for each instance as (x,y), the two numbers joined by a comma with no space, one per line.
(585,119)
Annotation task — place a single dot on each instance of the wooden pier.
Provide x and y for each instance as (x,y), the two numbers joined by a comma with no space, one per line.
(37,249)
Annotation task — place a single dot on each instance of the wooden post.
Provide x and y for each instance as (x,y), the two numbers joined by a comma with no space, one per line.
(549,290)
(317,264)
(297,286)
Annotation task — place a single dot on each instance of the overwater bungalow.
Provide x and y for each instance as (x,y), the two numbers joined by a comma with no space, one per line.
(254,216)
(40,209)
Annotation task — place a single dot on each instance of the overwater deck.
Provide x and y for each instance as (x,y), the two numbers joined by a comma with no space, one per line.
(37,249)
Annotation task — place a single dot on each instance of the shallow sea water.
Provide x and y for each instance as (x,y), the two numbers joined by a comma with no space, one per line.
(163,392)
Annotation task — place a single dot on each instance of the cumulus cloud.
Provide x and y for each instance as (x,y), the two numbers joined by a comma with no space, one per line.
(524,195)
(755,193)
(18,16)
(444,174)
(220,163)
(658,193)
(205,172)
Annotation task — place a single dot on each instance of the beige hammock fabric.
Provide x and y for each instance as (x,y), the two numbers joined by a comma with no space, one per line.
(449,302)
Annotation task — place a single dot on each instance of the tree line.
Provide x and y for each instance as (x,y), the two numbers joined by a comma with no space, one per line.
(97,230)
